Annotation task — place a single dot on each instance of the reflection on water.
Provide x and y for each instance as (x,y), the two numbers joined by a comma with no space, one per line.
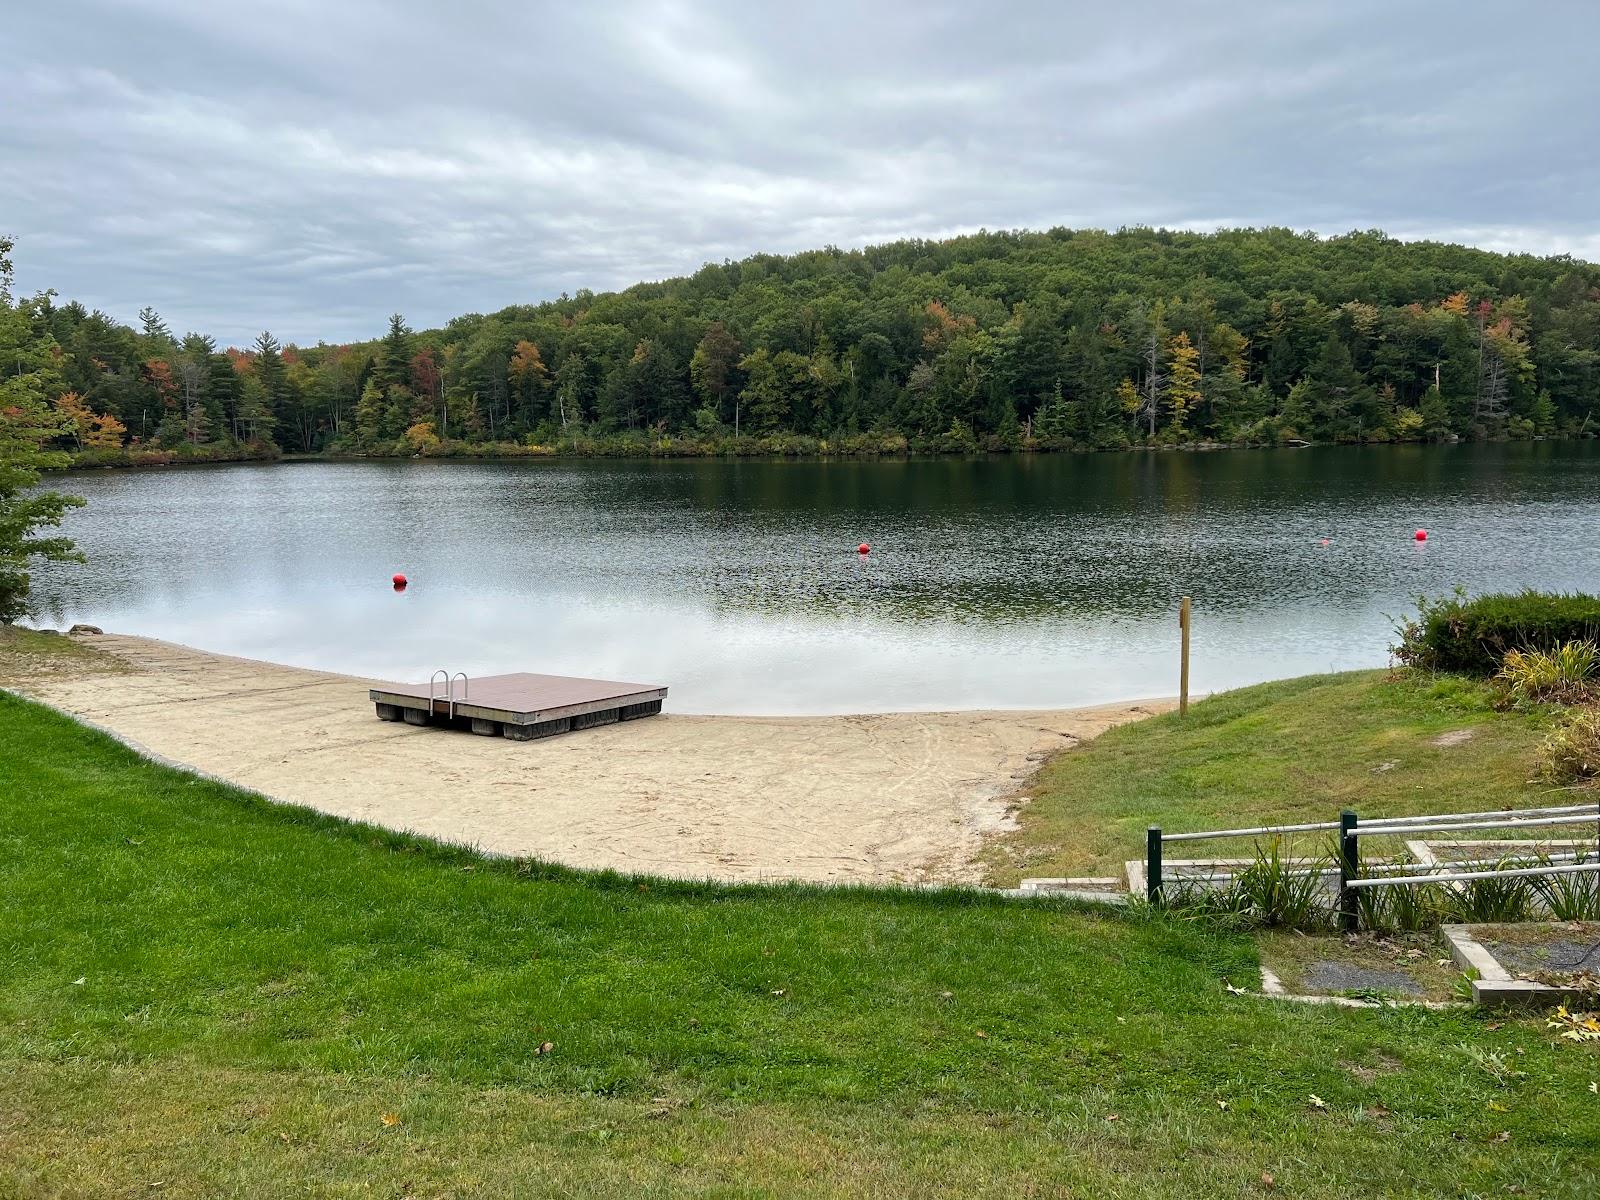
(1009,582)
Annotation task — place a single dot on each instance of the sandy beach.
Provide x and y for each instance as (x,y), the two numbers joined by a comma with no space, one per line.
(899,797)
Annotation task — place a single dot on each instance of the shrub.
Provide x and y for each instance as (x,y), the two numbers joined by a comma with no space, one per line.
(1564,675)
(1572,753)
(1406,908)
(1495,900)
(1458,634)
(1271,891)
(1573,897)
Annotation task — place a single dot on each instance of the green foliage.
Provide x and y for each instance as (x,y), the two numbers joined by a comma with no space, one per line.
(1572,753)
(1570,897)
(27,425)
(1022,340)
(1403,909)
(1457,634)
(1564,675)
(1272,891)
(1488,901)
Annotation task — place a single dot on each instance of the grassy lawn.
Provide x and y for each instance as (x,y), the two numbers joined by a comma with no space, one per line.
(1290,752)
(202,993)
(32,653)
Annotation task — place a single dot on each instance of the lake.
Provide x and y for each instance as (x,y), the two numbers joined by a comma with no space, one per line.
(1008,582)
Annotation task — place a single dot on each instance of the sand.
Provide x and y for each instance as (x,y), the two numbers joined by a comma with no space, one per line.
(899,797)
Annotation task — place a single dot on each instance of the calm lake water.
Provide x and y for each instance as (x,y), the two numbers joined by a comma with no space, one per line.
(1013,582)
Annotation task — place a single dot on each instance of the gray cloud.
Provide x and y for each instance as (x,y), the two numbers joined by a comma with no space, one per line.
(311,167)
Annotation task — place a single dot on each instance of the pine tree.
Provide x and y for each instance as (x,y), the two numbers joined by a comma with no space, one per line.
(714,370)
(27,426)
(1294,414)
(1435,414)
(1053,423)
(394,356)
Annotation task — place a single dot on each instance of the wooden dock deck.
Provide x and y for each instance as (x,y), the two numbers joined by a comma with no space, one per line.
(519,706)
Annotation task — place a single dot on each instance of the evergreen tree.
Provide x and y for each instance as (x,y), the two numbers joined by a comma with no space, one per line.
(714,370)
(394,355)
(27,425)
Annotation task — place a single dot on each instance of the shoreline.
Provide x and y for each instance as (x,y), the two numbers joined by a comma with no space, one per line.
(865,798)
(633,452)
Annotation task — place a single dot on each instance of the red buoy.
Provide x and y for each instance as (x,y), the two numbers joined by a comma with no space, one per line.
(400,581)
(863,549)
(1421,535)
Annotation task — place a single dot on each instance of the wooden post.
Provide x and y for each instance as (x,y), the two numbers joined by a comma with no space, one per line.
(1183,668)
(1349,865)
(1152,864)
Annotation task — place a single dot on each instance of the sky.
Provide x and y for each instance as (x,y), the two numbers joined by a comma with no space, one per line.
(310,167)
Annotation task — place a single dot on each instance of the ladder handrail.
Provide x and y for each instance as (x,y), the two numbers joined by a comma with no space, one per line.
(449,693)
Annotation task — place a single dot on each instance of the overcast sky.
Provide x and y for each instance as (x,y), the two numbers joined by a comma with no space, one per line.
(309,167)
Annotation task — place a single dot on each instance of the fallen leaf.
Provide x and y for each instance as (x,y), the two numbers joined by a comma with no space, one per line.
(1267,1180)
(982,1034)
(1122,1020)
(1503,1136)
(1379,1111)
(1316,1101)
(80,981)
(1493,1025)
(1496,1106)
(1236,991)
(390,1120)
(946,995)
(1112,1117)
(1223,1105)
(545,1047)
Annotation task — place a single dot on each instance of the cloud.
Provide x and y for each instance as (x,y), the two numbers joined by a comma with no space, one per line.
(309,167)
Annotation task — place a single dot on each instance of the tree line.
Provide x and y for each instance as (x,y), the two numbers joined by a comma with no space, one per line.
(1053,340)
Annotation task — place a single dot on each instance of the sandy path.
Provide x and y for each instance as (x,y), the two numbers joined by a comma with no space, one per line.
(893,797)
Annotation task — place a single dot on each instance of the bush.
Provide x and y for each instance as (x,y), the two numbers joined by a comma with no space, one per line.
(1572,753)
(1564,675)
(1457,634)
(1271,891)
(1574,897)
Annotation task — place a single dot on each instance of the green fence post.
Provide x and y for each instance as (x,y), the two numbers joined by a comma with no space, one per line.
(1152,864)
(1349,865)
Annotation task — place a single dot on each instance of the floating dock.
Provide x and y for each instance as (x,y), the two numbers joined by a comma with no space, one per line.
(521,707)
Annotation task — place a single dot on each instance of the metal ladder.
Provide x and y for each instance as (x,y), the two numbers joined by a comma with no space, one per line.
(448,695)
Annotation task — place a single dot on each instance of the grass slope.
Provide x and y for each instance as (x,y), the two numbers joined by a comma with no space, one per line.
(1294,751)
(204,991)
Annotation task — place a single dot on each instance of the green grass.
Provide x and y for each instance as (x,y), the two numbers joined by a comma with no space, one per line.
(1290,752)
(29,653)
(205,991)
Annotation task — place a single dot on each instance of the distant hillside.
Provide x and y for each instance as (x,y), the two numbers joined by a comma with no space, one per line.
(996,340)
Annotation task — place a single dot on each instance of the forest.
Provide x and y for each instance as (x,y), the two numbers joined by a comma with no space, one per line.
(1064,339)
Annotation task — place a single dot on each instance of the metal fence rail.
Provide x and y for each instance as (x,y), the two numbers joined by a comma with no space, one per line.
(1462,876)
(1349,868)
